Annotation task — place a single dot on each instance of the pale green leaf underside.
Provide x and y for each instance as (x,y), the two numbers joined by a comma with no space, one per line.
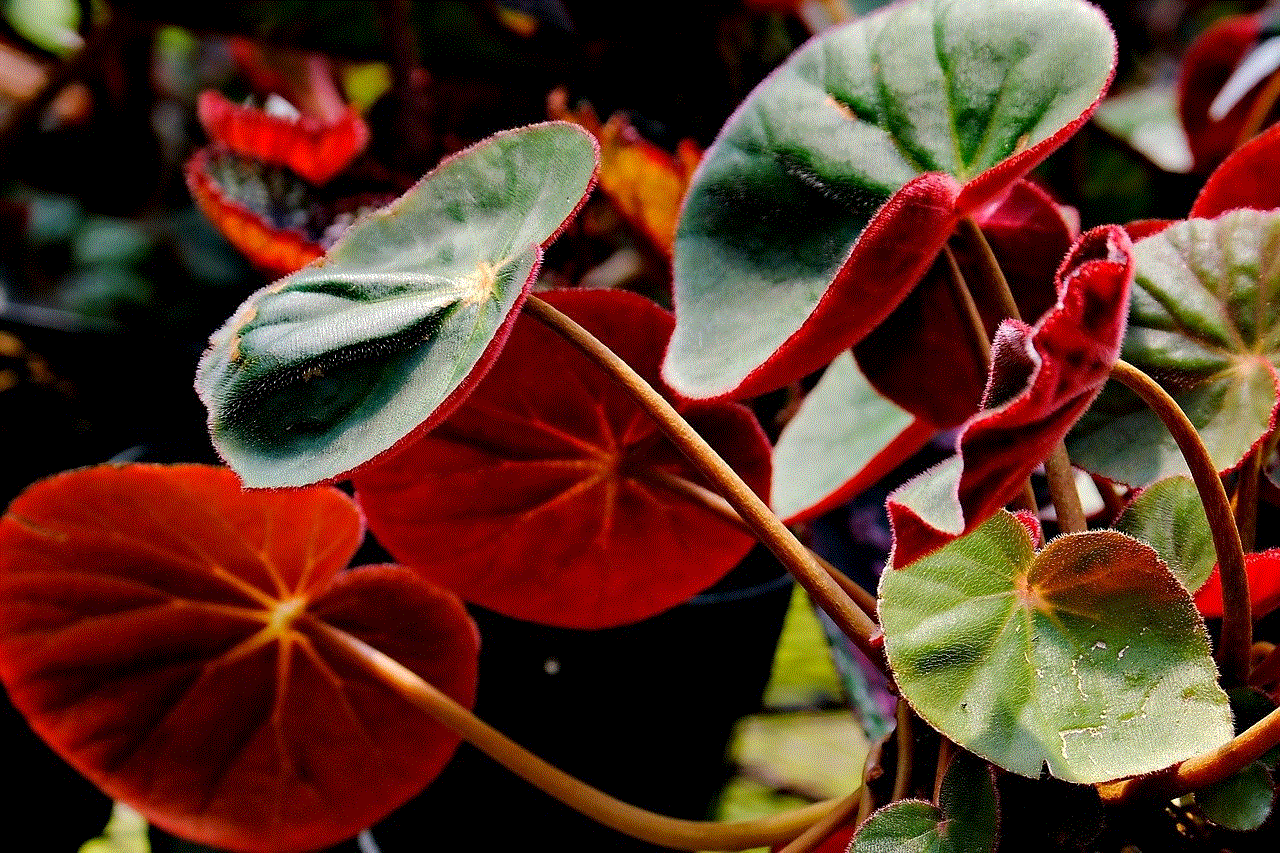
(1205,323)
(1170,518)
(841,426)
(1089,657)
(809,159)
(336,363)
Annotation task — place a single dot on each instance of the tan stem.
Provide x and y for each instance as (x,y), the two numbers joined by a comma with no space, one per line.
(1245,503)
(905,739)
(945,750)
(771,532)
(814,836)
(1237,624)
(592,802)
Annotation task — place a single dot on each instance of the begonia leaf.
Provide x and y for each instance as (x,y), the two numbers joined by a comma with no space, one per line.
(162,630)
(843,439)
(1205,323)
(1243,801)
(1263,569)
(828,193)
(1147,119)
(1042,379)
(918,356)
(315,149)
(350,356)
(1170,518)
(1237,181)
(1088,656)
(965,820)
(545,496)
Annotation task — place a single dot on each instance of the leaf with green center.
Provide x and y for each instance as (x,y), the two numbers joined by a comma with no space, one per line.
(169,634)
(375,342)
(1170,518)
(1088,657)
(828,193)
(1205,323)
(965,819)
(550,495)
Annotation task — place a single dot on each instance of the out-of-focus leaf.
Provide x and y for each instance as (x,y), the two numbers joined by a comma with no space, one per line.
(831,189)
(166,632)
(1042,379)
(546,495)
(1238,181)
(965,820)
(1074,657)
(1147,119)
(1205,323)
(1170,518)
(380,339)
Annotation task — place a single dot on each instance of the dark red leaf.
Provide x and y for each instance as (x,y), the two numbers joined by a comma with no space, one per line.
(315,149)
(1208,65)
(160,628)
(1263,570)
(547,495)
(1240,182)
(1042,379)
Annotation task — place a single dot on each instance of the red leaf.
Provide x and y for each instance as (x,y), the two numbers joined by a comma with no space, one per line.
(543,495)
(160,628)
(1042,379)
(1208,65)
(1263,570)
(1239,181)
(315,149)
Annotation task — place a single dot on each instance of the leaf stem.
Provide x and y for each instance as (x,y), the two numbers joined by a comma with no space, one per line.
(945,750)
(1237,624)
(771,532)
(820,831)
(905,738)
(592,802)
(1246,497)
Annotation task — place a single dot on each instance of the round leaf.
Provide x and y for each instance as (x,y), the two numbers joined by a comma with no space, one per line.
(547,495)
(1205,322)
(343,360)
(159,627)
(964,821)
(1241,802)
(1170,518)
(829,192)
(1088,657)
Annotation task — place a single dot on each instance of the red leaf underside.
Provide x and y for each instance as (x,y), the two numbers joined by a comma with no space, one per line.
(1237,182)
(1263,570)
(1208,65)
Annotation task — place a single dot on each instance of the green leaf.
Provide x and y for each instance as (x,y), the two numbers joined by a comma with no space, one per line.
(851,163)
(1240,802)
(1170,518)
(1205,323)
(1075,657)
(964,821)
(345,359)
(844,438)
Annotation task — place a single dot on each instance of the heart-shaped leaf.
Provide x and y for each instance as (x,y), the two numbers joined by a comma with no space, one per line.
(828,193)
(161,629)
(549,494)
(314,149)
(1170,518)
(1236,184)
(347,358)
(965,819)
(1042,379)
(1071,657)
(1263,569)
(1205,322)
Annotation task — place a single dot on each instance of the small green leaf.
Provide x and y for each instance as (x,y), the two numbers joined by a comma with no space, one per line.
(1240,802)
(1088,657)
(1205,323)
(343,360)
(964,821)
(1170,518)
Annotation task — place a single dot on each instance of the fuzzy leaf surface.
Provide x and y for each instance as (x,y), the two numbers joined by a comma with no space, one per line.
(1170,518)
(1205,323)
(161,629)
(340,362)
(830,190)
(1088,657)
(964,821)
(543,496)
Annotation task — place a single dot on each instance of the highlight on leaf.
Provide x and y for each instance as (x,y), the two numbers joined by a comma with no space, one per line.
(1088,657)
(165,632)
(351,356)
(829,192)
(1042,379)
(549,495)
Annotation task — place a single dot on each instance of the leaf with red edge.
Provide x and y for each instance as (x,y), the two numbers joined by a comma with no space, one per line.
(315,149)
(164,631)
(1207,66)
(549,494)
(1042,379)
(830,191)
(1263,569)
(1238,181)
